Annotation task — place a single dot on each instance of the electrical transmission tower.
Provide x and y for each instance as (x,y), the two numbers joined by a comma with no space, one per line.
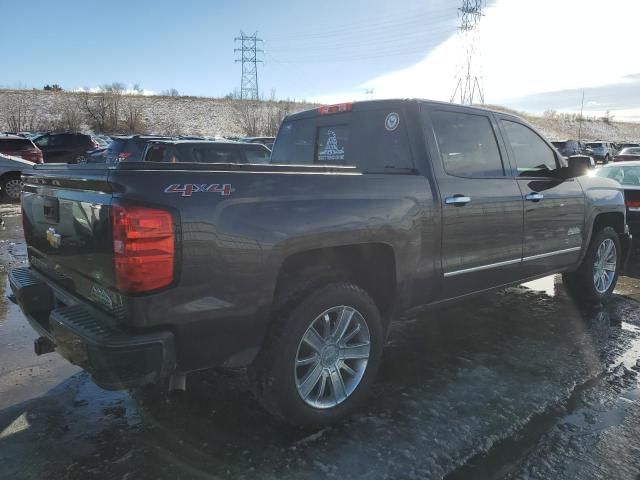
(468,79)
(249,57)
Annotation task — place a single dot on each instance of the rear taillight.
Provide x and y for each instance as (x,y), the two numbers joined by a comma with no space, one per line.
(143,248)
(633,205)
(337,108)
(124,155)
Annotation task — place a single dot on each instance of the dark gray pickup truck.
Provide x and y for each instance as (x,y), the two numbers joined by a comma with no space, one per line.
(141,272)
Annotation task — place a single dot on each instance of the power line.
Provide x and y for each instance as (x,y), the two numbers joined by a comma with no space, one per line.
(419,15)
(384,39)
(468,80)
(249,58)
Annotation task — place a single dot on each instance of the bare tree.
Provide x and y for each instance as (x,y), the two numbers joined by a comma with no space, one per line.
(171,92)
(21,111)
(96,108)
(115,91)
(259,117)
(133,118)
(70,115)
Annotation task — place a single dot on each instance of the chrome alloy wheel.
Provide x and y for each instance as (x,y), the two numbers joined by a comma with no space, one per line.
(332,357)
(605,265)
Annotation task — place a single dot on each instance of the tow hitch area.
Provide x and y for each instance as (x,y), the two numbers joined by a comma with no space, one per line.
(43,345)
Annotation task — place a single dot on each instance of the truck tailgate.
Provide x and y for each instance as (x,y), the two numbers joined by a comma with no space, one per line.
(67,226)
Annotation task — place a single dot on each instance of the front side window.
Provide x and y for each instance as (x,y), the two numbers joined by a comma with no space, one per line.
(467,144)
(533,157)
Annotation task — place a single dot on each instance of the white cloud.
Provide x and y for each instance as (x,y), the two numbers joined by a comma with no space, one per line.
(527,48)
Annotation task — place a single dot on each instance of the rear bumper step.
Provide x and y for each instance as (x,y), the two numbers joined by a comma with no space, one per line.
(83,335)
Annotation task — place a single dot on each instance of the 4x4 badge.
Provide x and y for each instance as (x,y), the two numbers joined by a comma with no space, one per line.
(189,189)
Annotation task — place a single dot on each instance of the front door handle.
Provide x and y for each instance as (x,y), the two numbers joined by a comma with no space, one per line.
(534,197)
(457,200)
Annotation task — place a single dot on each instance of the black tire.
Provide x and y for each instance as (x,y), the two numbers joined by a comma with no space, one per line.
(274,369)
(606,160)
(581,283)
(8,186)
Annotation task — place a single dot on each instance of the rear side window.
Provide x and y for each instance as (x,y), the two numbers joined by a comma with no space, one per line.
(257,156)
(533,157)
(372,140)
(14,144)
(215,155)
(467,144)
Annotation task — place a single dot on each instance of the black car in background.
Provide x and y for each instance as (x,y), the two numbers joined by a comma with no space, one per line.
(193,151)
(67,147)
(126,148)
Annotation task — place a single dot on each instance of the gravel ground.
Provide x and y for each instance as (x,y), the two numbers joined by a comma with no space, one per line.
(519,383)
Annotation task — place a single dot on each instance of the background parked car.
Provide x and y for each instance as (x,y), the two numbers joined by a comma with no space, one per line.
(602,151)
(628,154)
(18,146)
(64,147)
(568,148)
(127,148)
(177,151)
(10,170)
(622,146)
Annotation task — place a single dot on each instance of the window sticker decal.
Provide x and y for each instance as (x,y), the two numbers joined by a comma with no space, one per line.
(331,151)
(392,121)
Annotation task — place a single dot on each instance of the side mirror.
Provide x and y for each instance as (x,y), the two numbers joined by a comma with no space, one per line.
(580,165)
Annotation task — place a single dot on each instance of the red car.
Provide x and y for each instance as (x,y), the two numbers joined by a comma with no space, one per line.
(21,147)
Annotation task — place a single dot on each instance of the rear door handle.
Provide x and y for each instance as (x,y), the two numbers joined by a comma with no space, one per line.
(534,197)
(458,200)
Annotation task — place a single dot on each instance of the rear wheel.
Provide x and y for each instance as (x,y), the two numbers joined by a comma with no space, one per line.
(597,276)
(321,357)
(11,186)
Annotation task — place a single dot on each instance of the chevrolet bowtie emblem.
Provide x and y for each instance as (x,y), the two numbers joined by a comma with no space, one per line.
(54,238)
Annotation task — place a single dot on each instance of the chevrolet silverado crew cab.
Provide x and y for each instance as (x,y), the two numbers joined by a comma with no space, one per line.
(367,212)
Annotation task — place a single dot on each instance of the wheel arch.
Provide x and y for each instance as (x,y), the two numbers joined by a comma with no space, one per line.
(371,266)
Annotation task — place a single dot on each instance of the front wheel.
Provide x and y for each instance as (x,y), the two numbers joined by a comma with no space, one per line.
(597,276)
(321,357)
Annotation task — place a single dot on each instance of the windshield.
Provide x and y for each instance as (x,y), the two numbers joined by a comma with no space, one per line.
(595,145)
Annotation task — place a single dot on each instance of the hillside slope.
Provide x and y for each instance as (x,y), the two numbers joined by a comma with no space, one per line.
(41,110)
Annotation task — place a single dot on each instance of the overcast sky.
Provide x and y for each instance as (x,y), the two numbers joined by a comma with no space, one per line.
(534,55)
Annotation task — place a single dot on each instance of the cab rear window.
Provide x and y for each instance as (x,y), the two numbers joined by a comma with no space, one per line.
(372,140)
